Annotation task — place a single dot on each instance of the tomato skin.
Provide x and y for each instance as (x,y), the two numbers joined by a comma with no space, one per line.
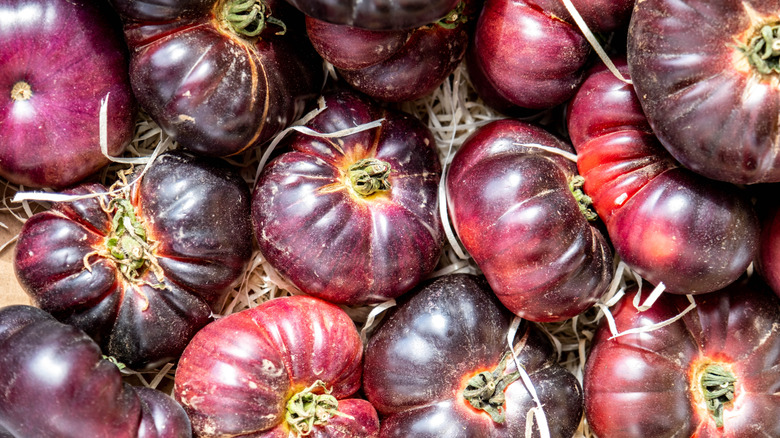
(526,56)
(713,112)
(418,361)
(666,222)
(76,393)
(376,15)
(393,66)
(214,91)
(648,375)
(238,372)
(331,242)
(204,247)
(512,208)
(71,56)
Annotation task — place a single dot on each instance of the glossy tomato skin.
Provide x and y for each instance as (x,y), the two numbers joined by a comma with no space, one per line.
(666,222)
(328,240)
(197,211)
(238,373)
(419,360)
(70,56)
(641,385)
(394,66)
(376,15)
(216,92)
(55,383)
(512,208)
(714,112)
(525,55)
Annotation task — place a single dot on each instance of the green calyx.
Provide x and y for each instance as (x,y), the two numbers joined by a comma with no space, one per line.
(763,50)
(250,17)
(584,201)
(454,17)
(369,176)
(485,391)
(307,409)
(128,244)
(717,387)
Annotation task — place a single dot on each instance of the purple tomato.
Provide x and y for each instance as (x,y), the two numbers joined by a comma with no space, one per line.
(58,59)
(352,219)
(142,271)
(55,383)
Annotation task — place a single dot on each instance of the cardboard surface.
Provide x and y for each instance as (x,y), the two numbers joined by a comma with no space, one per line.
(10,290)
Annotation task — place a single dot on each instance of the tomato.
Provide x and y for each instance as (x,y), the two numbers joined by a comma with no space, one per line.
(58,59)
(352,220)
(431,366)
(287,366)
(55,382)
(666,222)
(377,15)
(513,208)
(220,76)
(395,66)
(525,55)
(143,293)
(709,92)
(713,373)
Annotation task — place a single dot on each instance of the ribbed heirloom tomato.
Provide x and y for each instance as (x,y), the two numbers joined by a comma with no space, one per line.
(713,373)
(512,202)
(142,269)
(352,219)
(287,367)
(666,222)
(439,366)
(55,383)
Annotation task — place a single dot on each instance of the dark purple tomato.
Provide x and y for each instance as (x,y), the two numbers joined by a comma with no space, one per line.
(666,222)
(377,14)
(287,367)
(58,59)
(55,383)
(395,66)
(142,271)
(512,205)
(524,55)
(220,76)
(713,373)
(439,366)
(352,219)
(707,77)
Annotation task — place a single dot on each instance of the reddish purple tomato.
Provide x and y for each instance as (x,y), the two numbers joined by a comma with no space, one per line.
(58,59)
(667,223)
(352,220)
(284,368)
(220,76)
(525,55)
(601,16)
(395,66)
(377,14)
(713,373)
(141,271)
(512,206)
(55,383)
(706,73)
(439,366)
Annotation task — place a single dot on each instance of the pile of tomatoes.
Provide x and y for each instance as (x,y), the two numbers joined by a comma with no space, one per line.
(627,135)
